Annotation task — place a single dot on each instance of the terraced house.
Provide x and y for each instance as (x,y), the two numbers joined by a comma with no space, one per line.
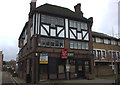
(55,43)
(106,51)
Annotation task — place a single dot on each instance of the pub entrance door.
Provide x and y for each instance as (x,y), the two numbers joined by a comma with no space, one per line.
(80,69)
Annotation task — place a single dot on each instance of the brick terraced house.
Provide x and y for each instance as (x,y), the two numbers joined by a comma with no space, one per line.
(106,50)
(55,43)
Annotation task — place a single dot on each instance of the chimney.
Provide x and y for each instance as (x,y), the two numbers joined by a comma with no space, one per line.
(78,9)
(33,5)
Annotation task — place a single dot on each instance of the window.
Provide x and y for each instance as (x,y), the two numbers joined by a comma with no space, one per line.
(109,54)
(94,52)
(78,25)
(71,44)
(43,69)
(84,26)
(109,41)
(84,45)
(106,41)
(103,54)
(86,66)
(42,41)
(119,43)
(61,69)
(93,39)
(50,42)
(114,54)
(57,43)
(52,20)
(61,43)
(73,24)
(72,68)
(118,54)
(98,53)
(75,45)
(112,42)
(116,43)
(53,32)
(101,40)
(78,45)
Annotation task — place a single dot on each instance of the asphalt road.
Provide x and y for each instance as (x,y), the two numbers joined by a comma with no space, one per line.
(7,79)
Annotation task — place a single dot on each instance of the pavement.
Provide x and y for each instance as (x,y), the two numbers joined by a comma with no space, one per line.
(7,79)
(0,77)
(96,81)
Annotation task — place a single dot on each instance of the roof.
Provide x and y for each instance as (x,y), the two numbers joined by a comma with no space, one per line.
(102,35)
(57,10)
(26,24)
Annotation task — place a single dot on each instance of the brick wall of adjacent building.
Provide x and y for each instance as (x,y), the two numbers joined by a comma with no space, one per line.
(102,69)
(106,47)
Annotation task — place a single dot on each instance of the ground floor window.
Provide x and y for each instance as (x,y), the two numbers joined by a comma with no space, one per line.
(87,69)
(72,68)
(43,68)
(61,69)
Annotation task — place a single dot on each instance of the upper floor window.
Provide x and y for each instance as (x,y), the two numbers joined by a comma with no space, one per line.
(99,53)
(103,54)
(109,41)
(93,39)
(78,25)
(118,54)
(109,54)
(52,20)
(112,42)
(50,42)
(116,43)
(94,52)
(106,41)
(78,45)
(101,40)
(114,54)
(119,43)
(84,26)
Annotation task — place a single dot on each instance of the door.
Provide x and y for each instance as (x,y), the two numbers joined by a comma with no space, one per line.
(80,69)
(43,71)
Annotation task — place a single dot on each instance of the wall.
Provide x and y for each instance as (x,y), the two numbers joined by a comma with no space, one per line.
(103,70)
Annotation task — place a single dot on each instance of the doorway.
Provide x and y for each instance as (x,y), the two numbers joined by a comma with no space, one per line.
(80,69)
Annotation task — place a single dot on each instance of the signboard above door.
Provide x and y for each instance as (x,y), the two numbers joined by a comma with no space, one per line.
(43,58)
(64,53)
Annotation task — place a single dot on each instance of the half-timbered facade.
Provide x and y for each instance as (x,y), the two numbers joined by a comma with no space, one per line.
(56,43)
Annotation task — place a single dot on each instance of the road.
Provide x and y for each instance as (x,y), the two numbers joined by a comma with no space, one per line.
(7,79)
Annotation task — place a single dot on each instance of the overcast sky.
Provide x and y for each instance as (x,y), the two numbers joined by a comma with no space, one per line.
(14,14)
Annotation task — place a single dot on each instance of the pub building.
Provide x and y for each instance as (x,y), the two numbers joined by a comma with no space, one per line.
(55,43)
